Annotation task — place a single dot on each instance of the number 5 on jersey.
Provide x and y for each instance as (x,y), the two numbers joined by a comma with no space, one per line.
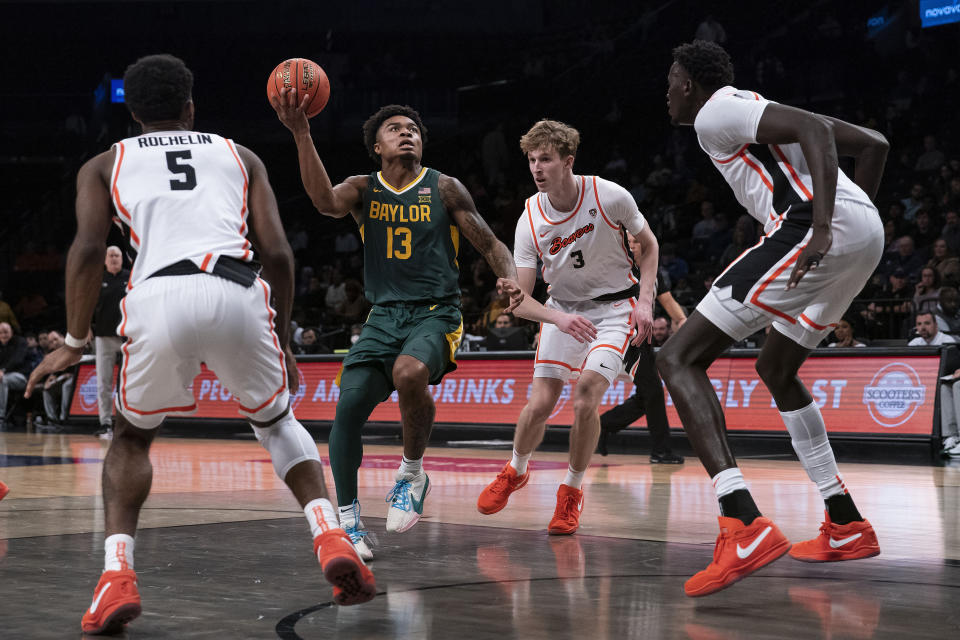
(189,176)
(404,248)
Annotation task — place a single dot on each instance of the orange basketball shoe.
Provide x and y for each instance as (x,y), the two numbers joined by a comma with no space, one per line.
(116,602)
(495,495)
(838,542)
(4,490)
(352,581)
(740,550)
(566,517)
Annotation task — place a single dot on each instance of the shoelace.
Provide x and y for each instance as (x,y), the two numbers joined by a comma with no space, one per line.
(356,534)
(719,545)
(399,497)
(568,508)
(501,484)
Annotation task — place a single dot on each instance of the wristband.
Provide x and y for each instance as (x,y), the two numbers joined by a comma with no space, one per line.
(74,343)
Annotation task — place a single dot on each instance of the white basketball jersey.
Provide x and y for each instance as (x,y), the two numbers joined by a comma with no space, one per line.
(181,195)
(766,179)
(584,252)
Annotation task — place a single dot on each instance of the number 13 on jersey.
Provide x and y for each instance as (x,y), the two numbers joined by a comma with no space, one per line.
(403,247)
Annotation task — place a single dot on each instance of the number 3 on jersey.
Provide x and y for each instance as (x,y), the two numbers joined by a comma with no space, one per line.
(405,249)
(188,176)
(577,259)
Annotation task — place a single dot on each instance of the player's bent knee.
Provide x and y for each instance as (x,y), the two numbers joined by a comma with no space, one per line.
(289,444)
(411,379)
(773,373)
(667,361)
(584,406)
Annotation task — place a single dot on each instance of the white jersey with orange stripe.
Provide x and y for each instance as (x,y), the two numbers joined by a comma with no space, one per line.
(180,195)
(766,179)
(584,252)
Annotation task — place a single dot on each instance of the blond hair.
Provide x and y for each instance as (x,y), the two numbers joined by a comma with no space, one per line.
(551,133)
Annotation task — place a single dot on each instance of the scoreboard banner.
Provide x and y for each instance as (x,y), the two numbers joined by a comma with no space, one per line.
(887,395)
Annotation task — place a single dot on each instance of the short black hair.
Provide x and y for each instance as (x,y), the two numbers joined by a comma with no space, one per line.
(372,125)
(706,62)
(157,87)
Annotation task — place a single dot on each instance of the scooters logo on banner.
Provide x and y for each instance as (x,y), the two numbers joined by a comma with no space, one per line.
(87,391)
(894,394)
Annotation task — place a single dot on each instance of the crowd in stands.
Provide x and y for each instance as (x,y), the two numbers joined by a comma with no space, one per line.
(845,72)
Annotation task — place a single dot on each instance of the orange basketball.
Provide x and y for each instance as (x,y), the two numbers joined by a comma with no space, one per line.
(306,77)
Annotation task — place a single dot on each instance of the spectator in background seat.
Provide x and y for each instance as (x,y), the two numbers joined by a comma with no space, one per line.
(948,310)
(924,234)
(946,264)
(912,203)
(14,367)
(7,315)
(906,258)
(951,231)
(844,335)
(927,292)
(928,334)
(676,266)
(932,158)
(311,344)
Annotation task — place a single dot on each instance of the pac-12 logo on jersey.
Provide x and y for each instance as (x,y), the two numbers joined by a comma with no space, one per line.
(560,243)
(593,213)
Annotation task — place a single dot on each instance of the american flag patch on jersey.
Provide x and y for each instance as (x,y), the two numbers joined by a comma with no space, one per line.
(424,191)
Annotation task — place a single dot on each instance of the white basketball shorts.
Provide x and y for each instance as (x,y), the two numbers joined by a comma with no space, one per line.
(174,323)
(560,355)
(751,292)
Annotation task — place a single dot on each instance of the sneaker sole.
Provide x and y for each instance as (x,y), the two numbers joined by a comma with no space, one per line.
(774,554)
(115,622)
(366,557)
(871,553)
(562,532)
(416,518)
(504,505)
(344,573)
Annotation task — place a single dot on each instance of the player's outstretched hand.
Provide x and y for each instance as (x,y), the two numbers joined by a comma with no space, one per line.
(55,361)
(293,374)
(811,255)
(642,320)
(511,288)
(291,110)
(577,326)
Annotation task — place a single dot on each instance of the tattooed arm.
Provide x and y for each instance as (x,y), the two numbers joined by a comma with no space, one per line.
(460,204)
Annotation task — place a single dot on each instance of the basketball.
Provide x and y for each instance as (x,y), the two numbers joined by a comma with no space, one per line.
(306,77)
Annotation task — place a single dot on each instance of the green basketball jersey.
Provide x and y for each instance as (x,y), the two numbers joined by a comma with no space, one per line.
(410,243)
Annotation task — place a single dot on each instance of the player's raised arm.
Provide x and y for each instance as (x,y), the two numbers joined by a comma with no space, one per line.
(84,269)
(334,201)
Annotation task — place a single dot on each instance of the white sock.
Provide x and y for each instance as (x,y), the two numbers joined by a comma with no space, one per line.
(573,478)
(349,517)
(808,435)
(728,481)
(519,462)
(321,516)
(411,466)
(118,552)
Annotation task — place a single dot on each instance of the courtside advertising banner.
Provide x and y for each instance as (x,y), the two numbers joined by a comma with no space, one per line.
(883,395)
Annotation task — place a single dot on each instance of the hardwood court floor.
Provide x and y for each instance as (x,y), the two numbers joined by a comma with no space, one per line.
(224,551)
